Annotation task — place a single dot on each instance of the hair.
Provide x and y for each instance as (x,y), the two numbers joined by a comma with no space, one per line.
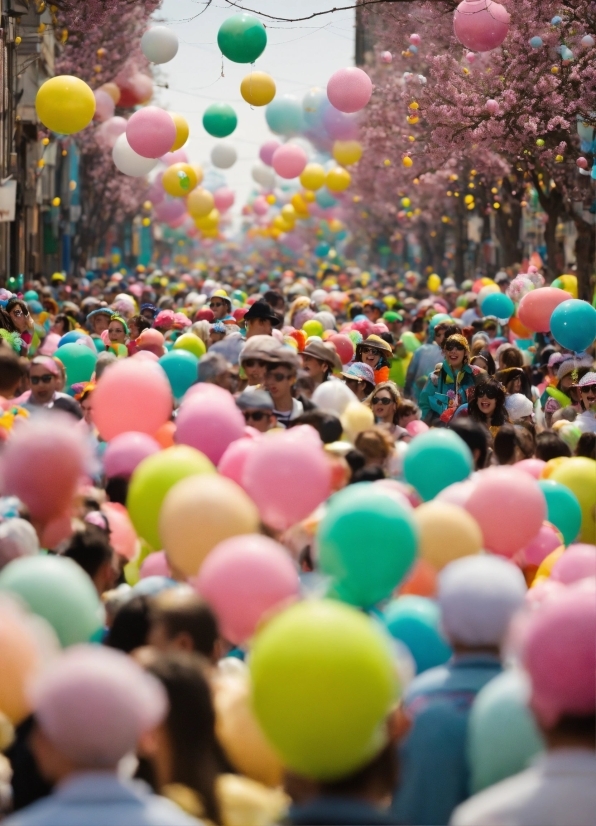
(11,370)
(375,445)
(104,360)
(274,299)
(140,322)
(450,329)
(368,474)
(491,368)
(406,407)
(289,366)
(304,382)
(356,461)
(388,337)
(549,445)
(393,392)
(355,310)
(586,445)
(508,439)
(211,366)
(16,302)
(511,357)
(499,416)
(68,323)
(131,624)
(327,425)
(117,489)
(380,772)
(186,613)
(6,322)
(475,436)
(90,549)
(201,329)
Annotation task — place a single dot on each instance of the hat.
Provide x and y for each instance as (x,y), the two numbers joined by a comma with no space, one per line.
(264,348)
(460,339)
(251,399)
(223,295)
(555,358)
(391,317)
(478,595)
(100,311)
(518,407)
(586,381)
(508,374)
(359,371)
(501,278)
(323,351)
(377,342)
(572,363)
(48,363)
(17,538)
(264,312)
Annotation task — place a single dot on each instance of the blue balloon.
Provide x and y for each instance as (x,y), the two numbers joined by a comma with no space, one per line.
(313,106)
(321,250)
(536,42)
(573,325)
(71,337)
(284,116)
(181,368)
(415,621)
(435,460)
(499,305)
(325,199)
(562,509)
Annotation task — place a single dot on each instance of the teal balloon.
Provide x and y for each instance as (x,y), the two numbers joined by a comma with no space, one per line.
(242,38)
(415,621)
(284,116)
(325,199)
(321,250)
(79,362)
(563,509)
(99,345)
(502,734)
(181,368)
(435,460)
(220,120)
(573,325)
(367,542)
(57,589)
(499,305)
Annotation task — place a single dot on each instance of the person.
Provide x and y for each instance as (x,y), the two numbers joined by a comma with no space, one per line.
(513,443)
(182,621)
(515,381)
(260,320)
(451,384)
(276,301)
(384,403)
(407,412)
(104,360)
(215,369)
(394,322)
(91,550)
(118,335)
(17,538)
(85,399)
(549,446)
(62,324)
(217,332)
(360,378)
(586,445)
(11,374)
(373,310)
(586,421)
(98,321)
(149,312)
(136,325)
(44,377)
(485,361)
(564,393)
(221,306)
(477,597)
(475,436)
(377,353)
(559,656)
(327,425)
(19,314)
(257,409)
(320,359)
(280,377)
(519,408)
(130,625)
(488,407)
(92,705)
(376,445)
(254,356)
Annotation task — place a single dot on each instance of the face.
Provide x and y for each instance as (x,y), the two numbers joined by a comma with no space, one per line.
(372,314)
(405,420)
(134,331)
(358,388)
(43,384)
(486,404)
(440,335)
(87,408)
(491,332)
(148,315)
(514,386)
(566,383)
(258,327)
(261,420)
(58,327)
(478,361)
(116,332)
(455,355)
(278,382)
(255,371)
(588,396)
(215,337)
(383,406)
(317,369)
(20,318)
(101,322)
(370,355)
(219,307)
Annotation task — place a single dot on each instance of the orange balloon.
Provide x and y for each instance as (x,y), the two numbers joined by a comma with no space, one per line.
(422,581)
(518,328)
(165,435)
(21,660)
(551,466)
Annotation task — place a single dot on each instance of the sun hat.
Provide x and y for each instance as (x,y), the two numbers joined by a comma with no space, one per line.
(265,348)
(359,371)
(323,351)
(586,381)
(262,311)
(518,407)
(377,342)
(48,363)
(572,363)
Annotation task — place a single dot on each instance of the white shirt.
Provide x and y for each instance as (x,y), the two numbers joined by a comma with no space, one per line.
(586,421)
(559,790)
(289,415)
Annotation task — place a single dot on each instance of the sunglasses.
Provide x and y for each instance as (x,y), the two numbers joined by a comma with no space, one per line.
(354,382)
(277,377)
(20,313)
(255,415)
(489,392)
(253,363)
(214,305)
(46,379)
(588,388)
(454,345)
(369,350)
(384,402)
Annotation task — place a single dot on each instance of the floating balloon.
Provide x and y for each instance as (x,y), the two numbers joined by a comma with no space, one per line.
(338,179)
(207,427)
(135,90)
(386,57)
(434,283)
(481,25)
(267,151)
(224,198)
(573,324)
(284,116)
(128,161)
(181,368)
(79,363)
(182,131)
(313,176)
(110,130)
(349,90)
(547,540)
(126,451)
(200,203)
(563,509)
(415,621)
(151,132)
(499,305)
(21,661)
(579,475)
(347,153)
(104,106)
(242,38)
(220,120)
(192,343)
(536,308)
(289,161)
(446,453)
(159,44)
(258,89)
(65,104)
(223,155)
(263,176)
(578,562)
(179,180)
(112,90)
(447,532)
(338,125)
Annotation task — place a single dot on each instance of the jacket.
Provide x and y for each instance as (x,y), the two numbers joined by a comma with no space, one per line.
(444,392)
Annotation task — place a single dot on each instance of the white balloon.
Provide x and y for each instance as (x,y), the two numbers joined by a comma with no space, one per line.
(127,160)
(263,175)
(333,397)
(223,155)
(159,44)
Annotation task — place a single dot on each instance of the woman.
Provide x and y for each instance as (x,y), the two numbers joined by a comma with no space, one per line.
(488,405)
(117,335)
(563,393)
(407,412)
(484,361)
(451,384)
(586,421)
(62,325)
(360,378)
(85,399)
(513,443)
(515,381)
(384,403)
(18,312)
(377,354)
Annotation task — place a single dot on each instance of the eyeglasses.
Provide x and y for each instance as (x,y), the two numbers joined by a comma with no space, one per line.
(454,345)
(489,392)
(216,304)
(255,415)
(588,388)
(366,350)
(277,377)
(253,363)
(46,379)
(20,313)
(384,402)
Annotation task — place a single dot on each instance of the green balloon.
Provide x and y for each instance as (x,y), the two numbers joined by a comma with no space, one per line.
(416,621)
(563,509)
(192,343)
(367,542)
(152,481)
(410,342)
(242,38)
(220,120)
(181,368)
(435,460)
(99,345)
(57,589)
(79,362)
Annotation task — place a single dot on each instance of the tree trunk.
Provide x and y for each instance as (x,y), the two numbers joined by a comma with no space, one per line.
(551,201)
(584,257)
(508,223)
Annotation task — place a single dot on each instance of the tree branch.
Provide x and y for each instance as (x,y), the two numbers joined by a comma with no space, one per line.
(357,4)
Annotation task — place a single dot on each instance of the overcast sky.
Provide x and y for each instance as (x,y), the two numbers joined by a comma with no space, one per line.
(298,56)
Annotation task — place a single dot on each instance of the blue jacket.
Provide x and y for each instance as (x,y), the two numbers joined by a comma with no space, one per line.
(440,390)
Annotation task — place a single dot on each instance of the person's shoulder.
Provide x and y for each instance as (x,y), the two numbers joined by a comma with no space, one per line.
(494,806)
(159,811)
(44,812)
(427,683)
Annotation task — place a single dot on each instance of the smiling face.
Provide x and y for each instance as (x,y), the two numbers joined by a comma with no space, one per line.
(486,405)
(44,384)
(370,355)
(116,332)
(20,318)
(454,354)
(588,396)
(383,406)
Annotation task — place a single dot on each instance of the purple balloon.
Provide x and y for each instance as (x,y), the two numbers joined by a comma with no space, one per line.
(267,151)
(209,428)
(126,451)
(339,126)
(170,211)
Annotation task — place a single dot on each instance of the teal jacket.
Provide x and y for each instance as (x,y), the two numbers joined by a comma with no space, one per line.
(441,391)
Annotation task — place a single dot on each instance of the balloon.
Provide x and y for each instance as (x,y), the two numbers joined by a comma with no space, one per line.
(126,451)
(232,463)
(349,90)
(578,562)
(182,131)
(224,198)
(200,203)
(509,508)
(533,467)
(338,179)
(21,662)
(151,482)
(313,328)
(65,104)
(443,451)
(79,363)
(243,579)
(347,153)
(181,368)
(573,324)
(421,580)
(42,463)
(59,590)
(179,180)
(579,475)
(128,162)
(164,435)
(536,308)
(550,466)
(220,120)
(223,155)
(339,126)
(159,44)
(547,540)
(134,90)
(113,91)
(200,512)
(258,89)
(344,347)
(481,25)
(156,564)
(284,116)
(287,477)
(209,222)
(179,156)
(434,283)
(191,343)
(563,508)
(122,533)
(447,532)
(415,621)
(289,160)
(410,342)
(359,518)
(263,176)
(302,664)
(104,106)
(313,176)
(151,132)
(356,418)
(499,305)
(242,38)
(333,397)
(207,427)
(267,151)
(56,531)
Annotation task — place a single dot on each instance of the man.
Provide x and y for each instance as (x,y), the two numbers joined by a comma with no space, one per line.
(394,322)
(260,320)
(320,360)
(257,409)
(45,379)
(373,310)
(215,369)
(11,374)
(276,301)
(280,378)
(426,357)
(221,306)
(254,357)
(502,280)
(182,621)
(91,550)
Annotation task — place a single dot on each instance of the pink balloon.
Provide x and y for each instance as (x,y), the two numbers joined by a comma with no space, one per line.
(545,542)
(209,427)
(386,57)
(224,198)
(457,494)
(481,25)
(57,531)
(234,459)
(287,477)
(123,537)
(110,130)
(134,89)
(260,206)
(267,151)
(126,451)
(244,579)
(531,466)
(509,508)
(151,132)
(104,106)
(131,396)
(42,462)
(417,427)
(145,355)
(205,390)
(492,107)
(168,211)
(339,126)
(349,90)
(344,346)
(170,158)
(537,306)
(155,564)
(289,160)
(49,345)
(395,489)
(578,562)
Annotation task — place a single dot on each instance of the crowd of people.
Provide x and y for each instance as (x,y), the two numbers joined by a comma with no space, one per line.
(461,689)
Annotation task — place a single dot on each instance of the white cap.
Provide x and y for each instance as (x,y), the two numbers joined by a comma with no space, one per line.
(518,407)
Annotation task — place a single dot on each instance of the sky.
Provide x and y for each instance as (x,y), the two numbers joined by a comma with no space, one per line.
(298,56)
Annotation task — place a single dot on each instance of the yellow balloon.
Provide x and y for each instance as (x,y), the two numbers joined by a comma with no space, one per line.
(65,104)
(198,172)
(338,179)
(258,89)
(335,225)
(271,199)
(208,222)
(569,283)
(550,467)
(179,180)
(433,283)
(447,532)
(546,566)
(300,206)
(313,176)
(210,233)
(309,196)
(356,418)
(289,213)
(280,223)
(182,131)
(200,203)
(347,152)
(579,475)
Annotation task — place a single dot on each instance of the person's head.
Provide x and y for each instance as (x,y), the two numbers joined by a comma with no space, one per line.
(104,360)
(280,378)
(117,330)
(136,325)
(384,402)
(513,380)
(456,351)
(394,322)
(44,376)
(19,314)
(99,320)
(519,408)
(586,445)
(513,443)
(62,324)
(181,621)
(491,327)
(214,369)
(17,538)
(568,372)
(327,425)
(485,361)
(549,446)
(220,305)
(275,300)
(91,550)
(217,332)
(374,351)
(257,409)
(587,391)
(438,332)
(475,436)
(376,445)
(149,312)
(320,360)
(488,404)
(11,373)
(130,626)
(407,412)
(360,378)
(85,399)
(510,357)
(373,310)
